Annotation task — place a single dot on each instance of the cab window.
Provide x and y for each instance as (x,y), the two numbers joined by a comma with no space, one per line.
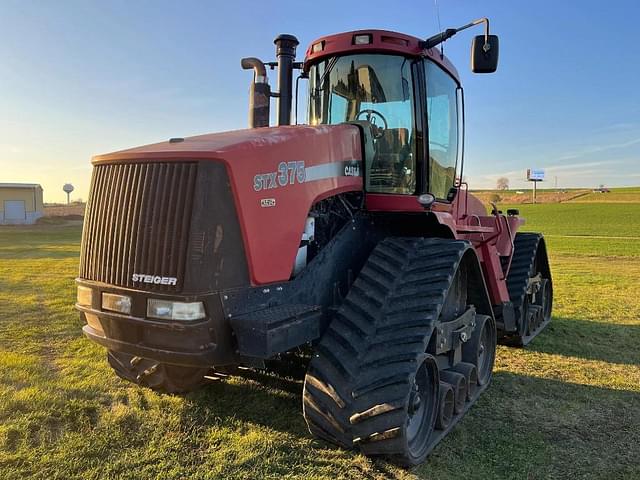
(377,89)
(442,124)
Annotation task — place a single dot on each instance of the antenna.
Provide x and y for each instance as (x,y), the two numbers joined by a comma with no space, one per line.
(439,27)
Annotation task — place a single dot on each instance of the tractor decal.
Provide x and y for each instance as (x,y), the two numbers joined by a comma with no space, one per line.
(290,173)
(346,168)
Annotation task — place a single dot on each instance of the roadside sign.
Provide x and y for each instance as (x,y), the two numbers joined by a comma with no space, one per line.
(535,174)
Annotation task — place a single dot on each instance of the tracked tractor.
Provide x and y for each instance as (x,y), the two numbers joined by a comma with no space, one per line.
(349,245)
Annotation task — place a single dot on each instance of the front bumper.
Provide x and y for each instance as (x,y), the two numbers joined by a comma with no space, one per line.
(199,343)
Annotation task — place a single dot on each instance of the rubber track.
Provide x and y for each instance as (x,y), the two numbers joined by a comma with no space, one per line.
(522,268)
(157,376)
(357,385)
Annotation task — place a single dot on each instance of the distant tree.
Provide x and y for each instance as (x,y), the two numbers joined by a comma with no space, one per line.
(502,183)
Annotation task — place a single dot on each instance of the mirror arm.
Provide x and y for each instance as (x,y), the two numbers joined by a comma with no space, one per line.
(438,38)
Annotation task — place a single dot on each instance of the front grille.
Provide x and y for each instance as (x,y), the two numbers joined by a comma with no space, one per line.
(137,221)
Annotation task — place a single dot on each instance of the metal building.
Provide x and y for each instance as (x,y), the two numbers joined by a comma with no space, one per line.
(20,203)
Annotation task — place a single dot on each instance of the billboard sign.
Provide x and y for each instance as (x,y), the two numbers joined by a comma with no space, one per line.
(535,174)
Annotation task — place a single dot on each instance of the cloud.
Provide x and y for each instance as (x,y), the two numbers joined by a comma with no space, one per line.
(597,149)
(12,148)
(617,126)
(580,166)
(572,174)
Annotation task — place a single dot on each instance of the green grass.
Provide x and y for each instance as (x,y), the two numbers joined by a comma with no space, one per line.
(568,406)
(583,229)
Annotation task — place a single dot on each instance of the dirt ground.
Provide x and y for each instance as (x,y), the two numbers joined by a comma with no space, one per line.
(62,210)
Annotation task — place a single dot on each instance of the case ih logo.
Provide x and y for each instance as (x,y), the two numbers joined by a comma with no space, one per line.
(155,279)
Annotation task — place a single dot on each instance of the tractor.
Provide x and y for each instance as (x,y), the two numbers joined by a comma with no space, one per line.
(349,245)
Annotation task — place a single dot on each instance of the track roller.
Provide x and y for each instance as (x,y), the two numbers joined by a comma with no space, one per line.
(470,373)
(459,384)
(446,407)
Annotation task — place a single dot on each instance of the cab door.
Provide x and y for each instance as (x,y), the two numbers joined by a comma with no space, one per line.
(444,130)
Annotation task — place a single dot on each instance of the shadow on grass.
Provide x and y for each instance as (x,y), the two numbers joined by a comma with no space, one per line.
(607,342)
(275,402)
(535,428)
(254,397)
(521,427)
(580,427)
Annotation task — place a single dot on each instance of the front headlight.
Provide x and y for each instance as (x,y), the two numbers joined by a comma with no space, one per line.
(116,303)
(167,310)
(84,296)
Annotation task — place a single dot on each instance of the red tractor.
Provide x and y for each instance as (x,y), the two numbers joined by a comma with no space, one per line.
(349,245)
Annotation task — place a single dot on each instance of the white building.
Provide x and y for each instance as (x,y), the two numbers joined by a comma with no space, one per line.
(20,203)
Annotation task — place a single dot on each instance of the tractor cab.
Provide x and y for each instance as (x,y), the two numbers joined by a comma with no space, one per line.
(408,95)
(400,89)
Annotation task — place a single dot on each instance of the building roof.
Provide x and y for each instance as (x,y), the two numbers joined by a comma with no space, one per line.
(20,185)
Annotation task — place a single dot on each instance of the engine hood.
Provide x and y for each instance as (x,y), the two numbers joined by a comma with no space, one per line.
(275,176)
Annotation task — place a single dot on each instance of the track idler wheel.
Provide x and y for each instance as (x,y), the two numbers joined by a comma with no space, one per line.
(422,408)
(480,350)
(446,407)
(459,384)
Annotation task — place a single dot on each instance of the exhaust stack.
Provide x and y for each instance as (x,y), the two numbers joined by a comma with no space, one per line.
(259,93)
(286,55)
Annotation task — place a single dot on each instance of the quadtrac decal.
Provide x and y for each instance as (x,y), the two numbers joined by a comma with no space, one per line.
(290,173)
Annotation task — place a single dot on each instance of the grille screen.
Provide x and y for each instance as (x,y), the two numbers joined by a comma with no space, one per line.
(137,221)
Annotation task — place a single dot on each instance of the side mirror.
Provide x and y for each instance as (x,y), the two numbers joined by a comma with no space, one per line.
(484,54)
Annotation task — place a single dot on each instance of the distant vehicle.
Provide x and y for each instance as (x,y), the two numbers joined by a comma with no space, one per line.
(601,190)
(519,192)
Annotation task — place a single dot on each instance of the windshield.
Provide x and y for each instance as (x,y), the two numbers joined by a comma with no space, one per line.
(377,89)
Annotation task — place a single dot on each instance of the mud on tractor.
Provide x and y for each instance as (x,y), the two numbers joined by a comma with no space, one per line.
(349,245)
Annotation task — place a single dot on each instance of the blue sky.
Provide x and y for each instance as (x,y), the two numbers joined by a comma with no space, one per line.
(79,78)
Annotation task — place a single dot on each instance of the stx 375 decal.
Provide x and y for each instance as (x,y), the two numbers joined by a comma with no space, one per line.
(289,173)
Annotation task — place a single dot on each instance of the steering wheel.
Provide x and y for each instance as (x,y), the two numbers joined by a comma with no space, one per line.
(371,117)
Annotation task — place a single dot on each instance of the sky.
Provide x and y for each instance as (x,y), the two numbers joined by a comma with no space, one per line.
(80,78)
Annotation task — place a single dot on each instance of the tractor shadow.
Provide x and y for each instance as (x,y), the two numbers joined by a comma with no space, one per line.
(521,424)
(529,427)
(237,403)
(607,342)
(254,397)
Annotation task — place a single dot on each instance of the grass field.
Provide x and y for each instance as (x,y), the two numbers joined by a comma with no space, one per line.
(568,406)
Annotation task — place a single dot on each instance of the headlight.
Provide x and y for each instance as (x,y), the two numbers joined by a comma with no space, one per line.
(85,296)
(116,303)
(167,310)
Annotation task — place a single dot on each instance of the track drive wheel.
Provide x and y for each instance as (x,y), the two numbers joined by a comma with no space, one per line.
(370,383)
(157,376)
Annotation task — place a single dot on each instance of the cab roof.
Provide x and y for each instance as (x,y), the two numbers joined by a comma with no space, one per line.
(379,41)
